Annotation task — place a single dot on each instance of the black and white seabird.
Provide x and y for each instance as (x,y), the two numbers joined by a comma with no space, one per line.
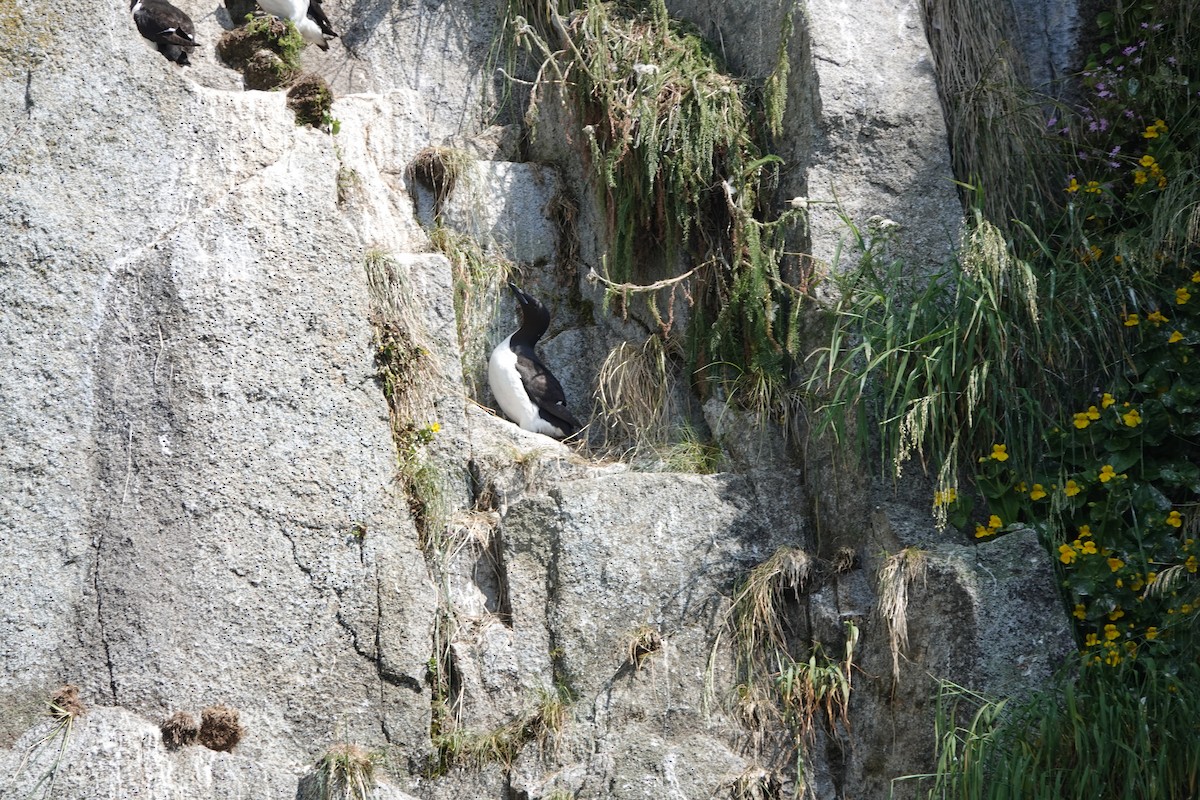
(167,26)
(526,391)
(307,15)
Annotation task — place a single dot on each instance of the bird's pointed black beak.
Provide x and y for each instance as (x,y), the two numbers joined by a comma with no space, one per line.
(522,298)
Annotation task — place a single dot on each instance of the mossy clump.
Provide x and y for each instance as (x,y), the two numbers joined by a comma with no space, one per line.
(220,729)
(179,730)
(280,37)
(265,71)
(312,101)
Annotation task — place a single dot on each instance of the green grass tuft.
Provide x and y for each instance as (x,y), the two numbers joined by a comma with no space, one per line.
(1103,734)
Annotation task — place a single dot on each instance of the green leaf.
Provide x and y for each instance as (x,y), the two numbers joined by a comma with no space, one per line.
(1122,460)
(1147,497)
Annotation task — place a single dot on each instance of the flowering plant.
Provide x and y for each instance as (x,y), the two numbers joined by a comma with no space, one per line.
(1117,495)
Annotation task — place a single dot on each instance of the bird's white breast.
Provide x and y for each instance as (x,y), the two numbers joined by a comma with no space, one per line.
(286,9)
(510,392)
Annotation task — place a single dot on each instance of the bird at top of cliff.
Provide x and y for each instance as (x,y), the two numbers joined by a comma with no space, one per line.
(307,15)
(167,26)
(526,390)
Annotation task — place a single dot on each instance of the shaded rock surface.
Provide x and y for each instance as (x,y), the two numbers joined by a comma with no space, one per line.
(199,499)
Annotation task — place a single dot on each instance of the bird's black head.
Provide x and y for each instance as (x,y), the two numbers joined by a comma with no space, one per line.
(534,317)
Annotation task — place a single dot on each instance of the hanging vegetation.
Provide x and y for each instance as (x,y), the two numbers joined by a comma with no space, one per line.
(676,153)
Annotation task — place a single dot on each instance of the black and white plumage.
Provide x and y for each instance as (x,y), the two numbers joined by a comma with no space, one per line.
(307,15)
(167,26)
(527,392)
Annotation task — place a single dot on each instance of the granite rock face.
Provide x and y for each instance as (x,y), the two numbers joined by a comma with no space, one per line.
(200,497)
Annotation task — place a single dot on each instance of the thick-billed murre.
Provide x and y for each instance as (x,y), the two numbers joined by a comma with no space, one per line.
(527,392)
(167,26)
(307,15)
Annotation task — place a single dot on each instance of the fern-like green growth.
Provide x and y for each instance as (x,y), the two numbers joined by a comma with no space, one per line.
(674,145)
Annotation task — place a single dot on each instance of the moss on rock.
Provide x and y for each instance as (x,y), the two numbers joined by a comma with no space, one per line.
(311,99)
(240,46)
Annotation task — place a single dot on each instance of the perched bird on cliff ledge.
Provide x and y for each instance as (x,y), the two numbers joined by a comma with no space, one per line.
(307,15)
(166,26)
(527,392)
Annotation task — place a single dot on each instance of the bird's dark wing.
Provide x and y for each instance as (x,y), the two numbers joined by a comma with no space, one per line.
(545,391)
(318,15)
(166,24)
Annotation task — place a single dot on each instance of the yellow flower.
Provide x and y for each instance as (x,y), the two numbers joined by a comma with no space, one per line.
(981,532)
(1156,317)
(1132,417)
(1196,276)
(1092,640)
(1112,657)
(1107,400)
(994,523)
(1066,553)
(1174,520)
(1182,295)
(1190,563)
(945,498)
(1139,177)
(1146,160)
(1093,187)
(1072,488)
(1111,632)
(1093,413)
(1175,337)
(1131,320)
(1081,420)
(435,427)
(1162,181)
(1073,186)
(1022,487)
(1080,612)
(1151,633)
(1089,548)
(1116,614)
(1115,563)
(1038,492)
(1094,253)
(1151,577)
(1000,452)
(1085,531)
(1107,473)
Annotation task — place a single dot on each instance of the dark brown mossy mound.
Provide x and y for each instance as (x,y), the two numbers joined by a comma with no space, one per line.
(65,702)
(266,71)
(311,100)
(180,730)
(219,728)
(266,50)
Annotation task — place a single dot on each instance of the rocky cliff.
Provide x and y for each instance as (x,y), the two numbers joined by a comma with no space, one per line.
(202,503)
